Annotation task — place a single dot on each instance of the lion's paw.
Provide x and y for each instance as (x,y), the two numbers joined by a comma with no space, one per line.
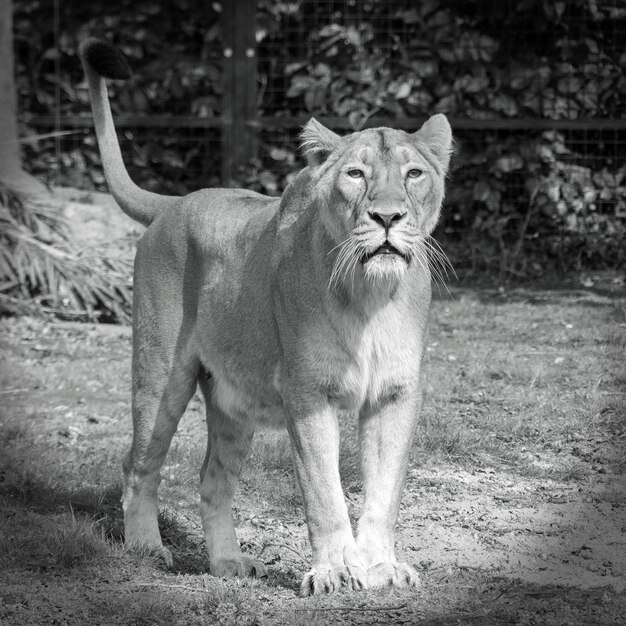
(330,579)
(390,574)
(242,567)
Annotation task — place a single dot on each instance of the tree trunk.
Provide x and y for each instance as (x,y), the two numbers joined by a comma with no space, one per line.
(11,172)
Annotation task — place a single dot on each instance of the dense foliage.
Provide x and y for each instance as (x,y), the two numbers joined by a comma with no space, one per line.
(478,60)
(523,200)
(173,48)
(520,200)
(524,203)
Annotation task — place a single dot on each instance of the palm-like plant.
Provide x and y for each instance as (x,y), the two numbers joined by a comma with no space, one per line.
(41,270)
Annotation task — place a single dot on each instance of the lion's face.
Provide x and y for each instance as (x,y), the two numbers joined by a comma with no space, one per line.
(382,193)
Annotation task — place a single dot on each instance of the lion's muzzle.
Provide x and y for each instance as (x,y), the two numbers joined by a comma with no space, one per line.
(386,249)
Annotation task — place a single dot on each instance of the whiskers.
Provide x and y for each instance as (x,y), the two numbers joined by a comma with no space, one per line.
(424,251)
(429,254)
(350,252)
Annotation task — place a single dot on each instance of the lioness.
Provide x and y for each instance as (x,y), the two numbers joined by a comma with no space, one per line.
(284,312)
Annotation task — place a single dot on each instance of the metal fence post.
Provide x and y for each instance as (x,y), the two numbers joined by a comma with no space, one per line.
(240,93)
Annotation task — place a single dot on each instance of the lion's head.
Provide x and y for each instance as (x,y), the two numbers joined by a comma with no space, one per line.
(380,192)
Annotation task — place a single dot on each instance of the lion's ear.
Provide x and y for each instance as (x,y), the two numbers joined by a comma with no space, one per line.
(436,134)
(318,142)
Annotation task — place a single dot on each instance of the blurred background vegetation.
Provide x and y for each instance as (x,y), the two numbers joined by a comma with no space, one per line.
(535,91)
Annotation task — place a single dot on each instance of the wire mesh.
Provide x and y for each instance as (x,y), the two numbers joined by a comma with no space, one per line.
(478,60)
(535,91)
(167,115)
(164,160)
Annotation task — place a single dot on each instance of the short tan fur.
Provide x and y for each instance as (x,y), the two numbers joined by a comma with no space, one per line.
(284,312)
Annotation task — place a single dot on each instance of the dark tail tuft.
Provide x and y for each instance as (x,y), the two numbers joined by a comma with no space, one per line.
(105,59)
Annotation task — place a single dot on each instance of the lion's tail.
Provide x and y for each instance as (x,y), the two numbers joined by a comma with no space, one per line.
(101,60)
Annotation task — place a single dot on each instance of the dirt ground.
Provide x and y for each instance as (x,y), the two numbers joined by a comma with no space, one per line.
(514,508)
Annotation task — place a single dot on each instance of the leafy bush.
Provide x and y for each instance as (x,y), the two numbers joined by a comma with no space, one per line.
(520,200)
(174,50)
(172,46)
(528,203)
(524,200)
(528,58)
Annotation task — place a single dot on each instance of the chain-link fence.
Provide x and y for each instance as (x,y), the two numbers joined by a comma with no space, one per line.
(168,115)
(535,91)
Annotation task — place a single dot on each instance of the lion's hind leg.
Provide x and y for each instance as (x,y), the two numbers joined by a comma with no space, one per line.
(160,390)
(228,445)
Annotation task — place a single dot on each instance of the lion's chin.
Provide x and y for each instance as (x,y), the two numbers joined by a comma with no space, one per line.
(384,269)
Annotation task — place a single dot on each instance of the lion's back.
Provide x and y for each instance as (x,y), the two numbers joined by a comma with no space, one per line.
(222,216)
(222,225)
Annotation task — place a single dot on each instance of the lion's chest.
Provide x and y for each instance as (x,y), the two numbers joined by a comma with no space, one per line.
(383,356)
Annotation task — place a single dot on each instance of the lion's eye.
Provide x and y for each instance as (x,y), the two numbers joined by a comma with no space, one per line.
(414,173)
(354,173)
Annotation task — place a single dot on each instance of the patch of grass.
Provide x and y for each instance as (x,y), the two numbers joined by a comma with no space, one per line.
(77,540)
(13,433)
(64,539)
(149,610)
(230,606)
(184,459)
(502,381)
(271,450)
(452,438)
(512,391)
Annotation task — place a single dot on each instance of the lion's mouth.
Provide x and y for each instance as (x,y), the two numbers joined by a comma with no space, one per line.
(385,250)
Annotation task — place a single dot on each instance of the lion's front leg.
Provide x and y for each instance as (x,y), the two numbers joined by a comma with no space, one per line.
(314,434)
(385,435)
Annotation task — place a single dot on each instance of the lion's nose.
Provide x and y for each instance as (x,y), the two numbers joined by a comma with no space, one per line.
(386,219)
